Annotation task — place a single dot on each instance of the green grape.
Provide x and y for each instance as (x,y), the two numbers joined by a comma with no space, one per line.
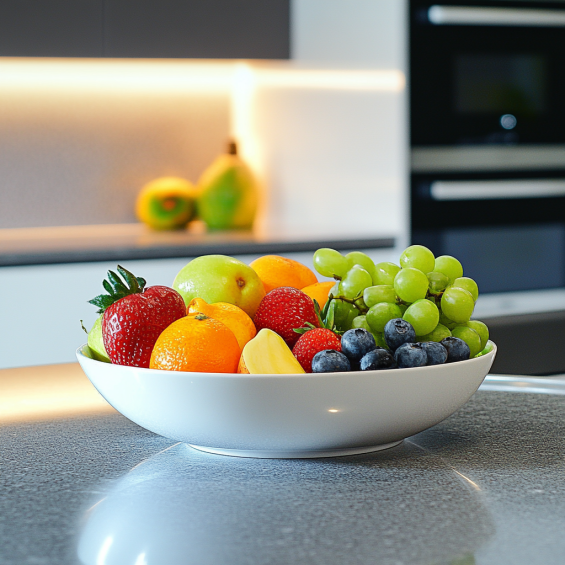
(444,320)
(380,293)
(403,308)
(354,282)
(331,263)
(380,340)
(419,257)
(449,266)
(423,315)
(344,314)
(487,349)
(358,258)
(437,334)
(481,329)
(411,284)
(385,273)
(469,285)
(381,313)
(437,281)
(457,304)
(470,337)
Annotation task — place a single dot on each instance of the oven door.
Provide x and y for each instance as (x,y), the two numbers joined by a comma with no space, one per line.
(490,74)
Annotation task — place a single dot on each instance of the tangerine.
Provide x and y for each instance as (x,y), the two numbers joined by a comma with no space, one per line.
(232,316)
(275,271)
(319,292)
(196,343)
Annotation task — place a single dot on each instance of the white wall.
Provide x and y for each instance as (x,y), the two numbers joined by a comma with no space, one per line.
(335,157)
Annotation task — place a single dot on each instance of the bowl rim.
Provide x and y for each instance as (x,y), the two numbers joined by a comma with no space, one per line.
(490,355)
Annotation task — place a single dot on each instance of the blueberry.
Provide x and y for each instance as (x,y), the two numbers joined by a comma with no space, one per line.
(457,349)
(410,355)
(330,361)
(356,343)
(397,332)
(436,352)
(378,359)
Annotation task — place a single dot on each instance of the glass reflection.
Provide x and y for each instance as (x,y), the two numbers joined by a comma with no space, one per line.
(184,506)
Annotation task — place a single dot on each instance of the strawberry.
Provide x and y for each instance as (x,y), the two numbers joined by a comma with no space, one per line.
(135,316)
(312,342)
(285,309)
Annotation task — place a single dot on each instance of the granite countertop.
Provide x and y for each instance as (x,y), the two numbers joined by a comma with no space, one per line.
(70,244)
(79,483)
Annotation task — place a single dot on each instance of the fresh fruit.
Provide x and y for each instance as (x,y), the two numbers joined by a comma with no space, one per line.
(167,203)
(355,344)
(436,353)
(380,314)
(275,271)
(233,317)
(319,292)
(380,293)
(96,342)
(437,281)
(470,337)
(135,316)
(376,360)
(482,329)
(228,193)
(488,348)
(355,281)
(196,343)
(457,349)
(397,332)
(331,263)
(343,314)
(457,304)
(312,342)
(449,266)
(410,355)
(385,273)
(285,309)
(411,284)
(218,278)
(444,320)
(330,361)
(437,334)
(469,285)
(363,260)
(423,315)
(419,257)
(268,354)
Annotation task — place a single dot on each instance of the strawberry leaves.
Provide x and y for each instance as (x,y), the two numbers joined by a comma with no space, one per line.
(326,318)
(118,289)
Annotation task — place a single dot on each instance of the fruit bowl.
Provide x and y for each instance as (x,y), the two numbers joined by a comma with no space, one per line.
(288,416)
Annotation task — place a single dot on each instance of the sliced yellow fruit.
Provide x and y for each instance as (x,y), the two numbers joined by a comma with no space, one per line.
(268,354)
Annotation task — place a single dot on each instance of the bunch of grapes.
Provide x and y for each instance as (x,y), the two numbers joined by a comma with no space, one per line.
(428,292)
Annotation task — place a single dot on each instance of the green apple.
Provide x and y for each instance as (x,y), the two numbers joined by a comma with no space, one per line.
(218,278)
(96,342)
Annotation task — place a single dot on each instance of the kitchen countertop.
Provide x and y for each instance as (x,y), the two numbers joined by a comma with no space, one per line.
(71,244)
(79,483)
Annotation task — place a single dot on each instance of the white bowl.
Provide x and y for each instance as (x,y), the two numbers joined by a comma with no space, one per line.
(288,416)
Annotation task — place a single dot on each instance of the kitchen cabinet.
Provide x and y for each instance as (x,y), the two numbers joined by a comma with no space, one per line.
(225,29)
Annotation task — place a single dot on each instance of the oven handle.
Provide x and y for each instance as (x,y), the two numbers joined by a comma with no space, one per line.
(472,15)
(497,189)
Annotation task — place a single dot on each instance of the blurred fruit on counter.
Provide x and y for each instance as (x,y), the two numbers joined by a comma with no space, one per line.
(228,193)
(166,203)
(275,271)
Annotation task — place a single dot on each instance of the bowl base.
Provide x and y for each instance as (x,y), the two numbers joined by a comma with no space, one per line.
(295,454)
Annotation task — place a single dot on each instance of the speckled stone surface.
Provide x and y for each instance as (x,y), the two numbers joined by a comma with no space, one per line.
(486,486)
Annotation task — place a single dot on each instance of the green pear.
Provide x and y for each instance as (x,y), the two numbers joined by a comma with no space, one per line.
(96,342)
(219,278)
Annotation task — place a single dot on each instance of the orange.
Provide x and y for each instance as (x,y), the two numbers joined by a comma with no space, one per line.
(196,344)
(319,292)
(233,317)
(275,271)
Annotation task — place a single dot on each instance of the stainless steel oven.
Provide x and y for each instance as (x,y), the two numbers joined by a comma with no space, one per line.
(487,95)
